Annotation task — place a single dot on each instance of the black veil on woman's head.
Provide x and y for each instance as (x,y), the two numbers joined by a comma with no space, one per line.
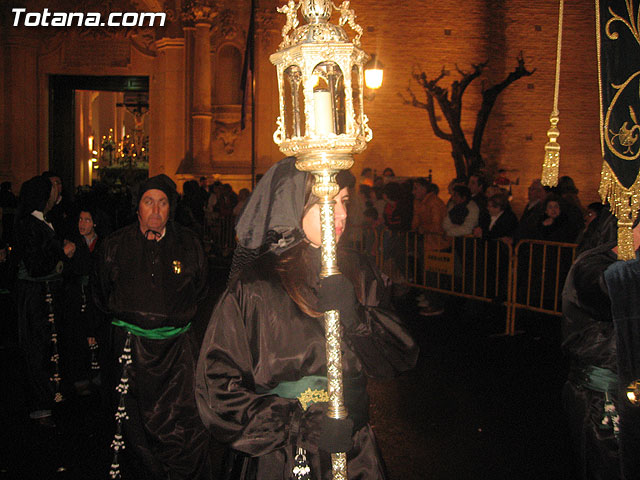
(34,195)
(271,219)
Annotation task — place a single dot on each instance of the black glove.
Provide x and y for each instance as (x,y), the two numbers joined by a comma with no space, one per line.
(335,435)
(337,293)
(319,432)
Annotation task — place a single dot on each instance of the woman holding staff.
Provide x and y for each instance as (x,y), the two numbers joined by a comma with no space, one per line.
(261,383)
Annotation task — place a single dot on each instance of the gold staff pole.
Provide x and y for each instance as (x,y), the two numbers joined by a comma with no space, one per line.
(326,188)
(322,123)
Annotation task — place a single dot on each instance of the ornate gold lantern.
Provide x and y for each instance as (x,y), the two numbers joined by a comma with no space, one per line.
(322,123)
(320,84)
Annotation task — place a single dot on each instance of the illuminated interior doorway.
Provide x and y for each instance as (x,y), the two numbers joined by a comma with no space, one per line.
(98,128)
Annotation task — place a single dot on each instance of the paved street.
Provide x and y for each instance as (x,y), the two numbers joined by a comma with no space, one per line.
(478,405)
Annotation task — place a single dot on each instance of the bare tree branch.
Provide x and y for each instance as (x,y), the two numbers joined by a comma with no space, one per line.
(489,97)
(467,78)
(466,158)
(430,108)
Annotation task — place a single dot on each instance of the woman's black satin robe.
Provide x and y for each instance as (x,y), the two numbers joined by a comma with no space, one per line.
(138,281)
(257,338)
(40,255)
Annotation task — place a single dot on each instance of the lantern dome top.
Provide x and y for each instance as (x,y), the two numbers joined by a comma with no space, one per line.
(318,28)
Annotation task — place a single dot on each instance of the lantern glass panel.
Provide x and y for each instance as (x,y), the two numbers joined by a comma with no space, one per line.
(294,122)
(356,88)
(328,99)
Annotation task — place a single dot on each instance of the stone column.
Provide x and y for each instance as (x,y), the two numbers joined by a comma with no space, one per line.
(189,32)
(201,110)
(166,107)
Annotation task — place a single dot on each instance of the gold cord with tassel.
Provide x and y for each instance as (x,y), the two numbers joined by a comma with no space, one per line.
(551,164)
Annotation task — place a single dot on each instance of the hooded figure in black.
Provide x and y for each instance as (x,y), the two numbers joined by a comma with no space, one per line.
(40,257)
(150,277)
(590,396)
(261,377)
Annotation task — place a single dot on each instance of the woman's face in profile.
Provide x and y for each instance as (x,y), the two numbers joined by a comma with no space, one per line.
(311,219)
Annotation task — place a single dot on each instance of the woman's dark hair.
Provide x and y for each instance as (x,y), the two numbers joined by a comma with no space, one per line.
(34,195)
(463,191)
(597,207)
(552,197)
(293,266)
(566,185)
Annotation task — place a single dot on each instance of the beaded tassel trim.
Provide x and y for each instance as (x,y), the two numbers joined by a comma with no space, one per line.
(95,365)
(624,204)
(610,417)
(121,414)
(301,470)
(93,348)
(56,378)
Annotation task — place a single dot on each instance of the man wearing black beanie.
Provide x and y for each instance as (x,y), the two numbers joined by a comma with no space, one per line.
(150,277)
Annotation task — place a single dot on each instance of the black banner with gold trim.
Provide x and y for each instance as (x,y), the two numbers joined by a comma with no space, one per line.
(618,39)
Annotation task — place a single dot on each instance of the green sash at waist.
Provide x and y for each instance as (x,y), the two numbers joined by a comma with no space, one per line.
(596,379)
(313,388)
(160,333)
(307,390)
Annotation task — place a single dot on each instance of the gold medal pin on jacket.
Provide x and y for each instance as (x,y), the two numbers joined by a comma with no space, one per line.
(177,267)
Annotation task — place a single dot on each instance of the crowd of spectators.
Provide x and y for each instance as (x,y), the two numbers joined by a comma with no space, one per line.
(479,208)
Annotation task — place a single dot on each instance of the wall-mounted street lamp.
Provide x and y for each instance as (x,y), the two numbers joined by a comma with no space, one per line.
(373,74)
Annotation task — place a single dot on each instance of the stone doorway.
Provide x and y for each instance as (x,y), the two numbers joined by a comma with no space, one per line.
(74,146)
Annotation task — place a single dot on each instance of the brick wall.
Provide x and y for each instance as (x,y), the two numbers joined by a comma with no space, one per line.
(433,35)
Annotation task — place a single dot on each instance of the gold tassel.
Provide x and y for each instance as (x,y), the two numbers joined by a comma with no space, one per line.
(624,204)
(551,163)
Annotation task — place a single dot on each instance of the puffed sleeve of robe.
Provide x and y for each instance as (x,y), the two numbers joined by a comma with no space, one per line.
(229,405)
(40,249)
(379,338)
(587,325)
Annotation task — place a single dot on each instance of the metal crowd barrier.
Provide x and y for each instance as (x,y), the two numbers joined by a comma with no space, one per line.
(540,270)
(529,276)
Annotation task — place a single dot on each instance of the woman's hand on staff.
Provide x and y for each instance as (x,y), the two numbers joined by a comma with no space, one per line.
(337,293)
(323,433)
